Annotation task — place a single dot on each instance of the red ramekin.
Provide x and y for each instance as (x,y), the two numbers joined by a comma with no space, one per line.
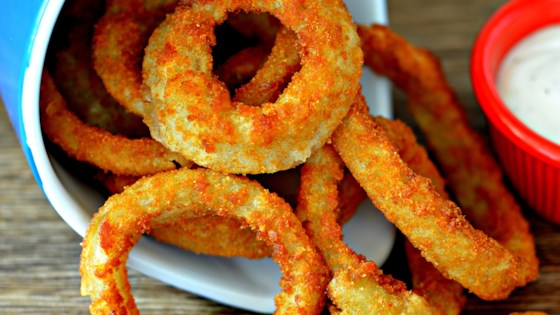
(531,162)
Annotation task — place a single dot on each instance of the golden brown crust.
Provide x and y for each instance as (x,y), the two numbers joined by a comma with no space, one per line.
(227,237)
(358,286)
(213,235)
(410,201)
(242,66)
(119,40)
(114,153)
(209,234)
(186,193)
(443,294)
(188,207)
(472,173)
(269,82)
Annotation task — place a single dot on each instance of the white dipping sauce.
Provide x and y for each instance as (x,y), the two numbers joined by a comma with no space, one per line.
(528,81)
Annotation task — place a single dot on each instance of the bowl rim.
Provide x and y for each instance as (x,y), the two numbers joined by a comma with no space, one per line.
(491,45)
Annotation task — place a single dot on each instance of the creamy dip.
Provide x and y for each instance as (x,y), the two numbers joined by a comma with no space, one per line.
(528,81)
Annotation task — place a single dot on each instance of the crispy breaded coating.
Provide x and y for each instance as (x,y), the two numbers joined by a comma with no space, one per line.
(99,147)
(431,222)
(269,82)
(473,175)
(193,112)
(186,193)
(444,294)
(357,286)
(119,40)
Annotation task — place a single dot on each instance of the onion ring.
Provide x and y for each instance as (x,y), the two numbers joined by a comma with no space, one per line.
(209,234)
(213,235)
(358,286)
(410,201)
(111,153)
(119,40)
(474,176)
(193,113)
(155,200)
(444,294)
(227,237)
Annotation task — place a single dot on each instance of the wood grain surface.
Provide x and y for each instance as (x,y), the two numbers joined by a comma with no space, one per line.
(39,253)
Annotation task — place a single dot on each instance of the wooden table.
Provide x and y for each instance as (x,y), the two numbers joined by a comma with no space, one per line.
(39,253)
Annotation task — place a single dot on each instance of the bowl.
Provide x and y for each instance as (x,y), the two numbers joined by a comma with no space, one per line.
(246,284)
(531,162)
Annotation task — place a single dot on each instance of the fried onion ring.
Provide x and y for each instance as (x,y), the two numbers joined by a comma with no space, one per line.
(444,294)
(209,234)
(358,286)
(155,200)
(193,112)
(75,77)
(473,175)
(109,152)
(410,202)
(119,40)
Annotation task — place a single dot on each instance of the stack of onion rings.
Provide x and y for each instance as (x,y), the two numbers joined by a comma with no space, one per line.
(304,94)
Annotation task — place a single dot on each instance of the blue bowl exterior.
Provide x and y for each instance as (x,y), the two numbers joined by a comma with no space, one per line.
(18,29)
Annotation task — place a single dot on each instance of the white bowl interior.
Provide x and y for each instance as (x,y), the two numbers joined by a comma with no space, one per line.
(237,282)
